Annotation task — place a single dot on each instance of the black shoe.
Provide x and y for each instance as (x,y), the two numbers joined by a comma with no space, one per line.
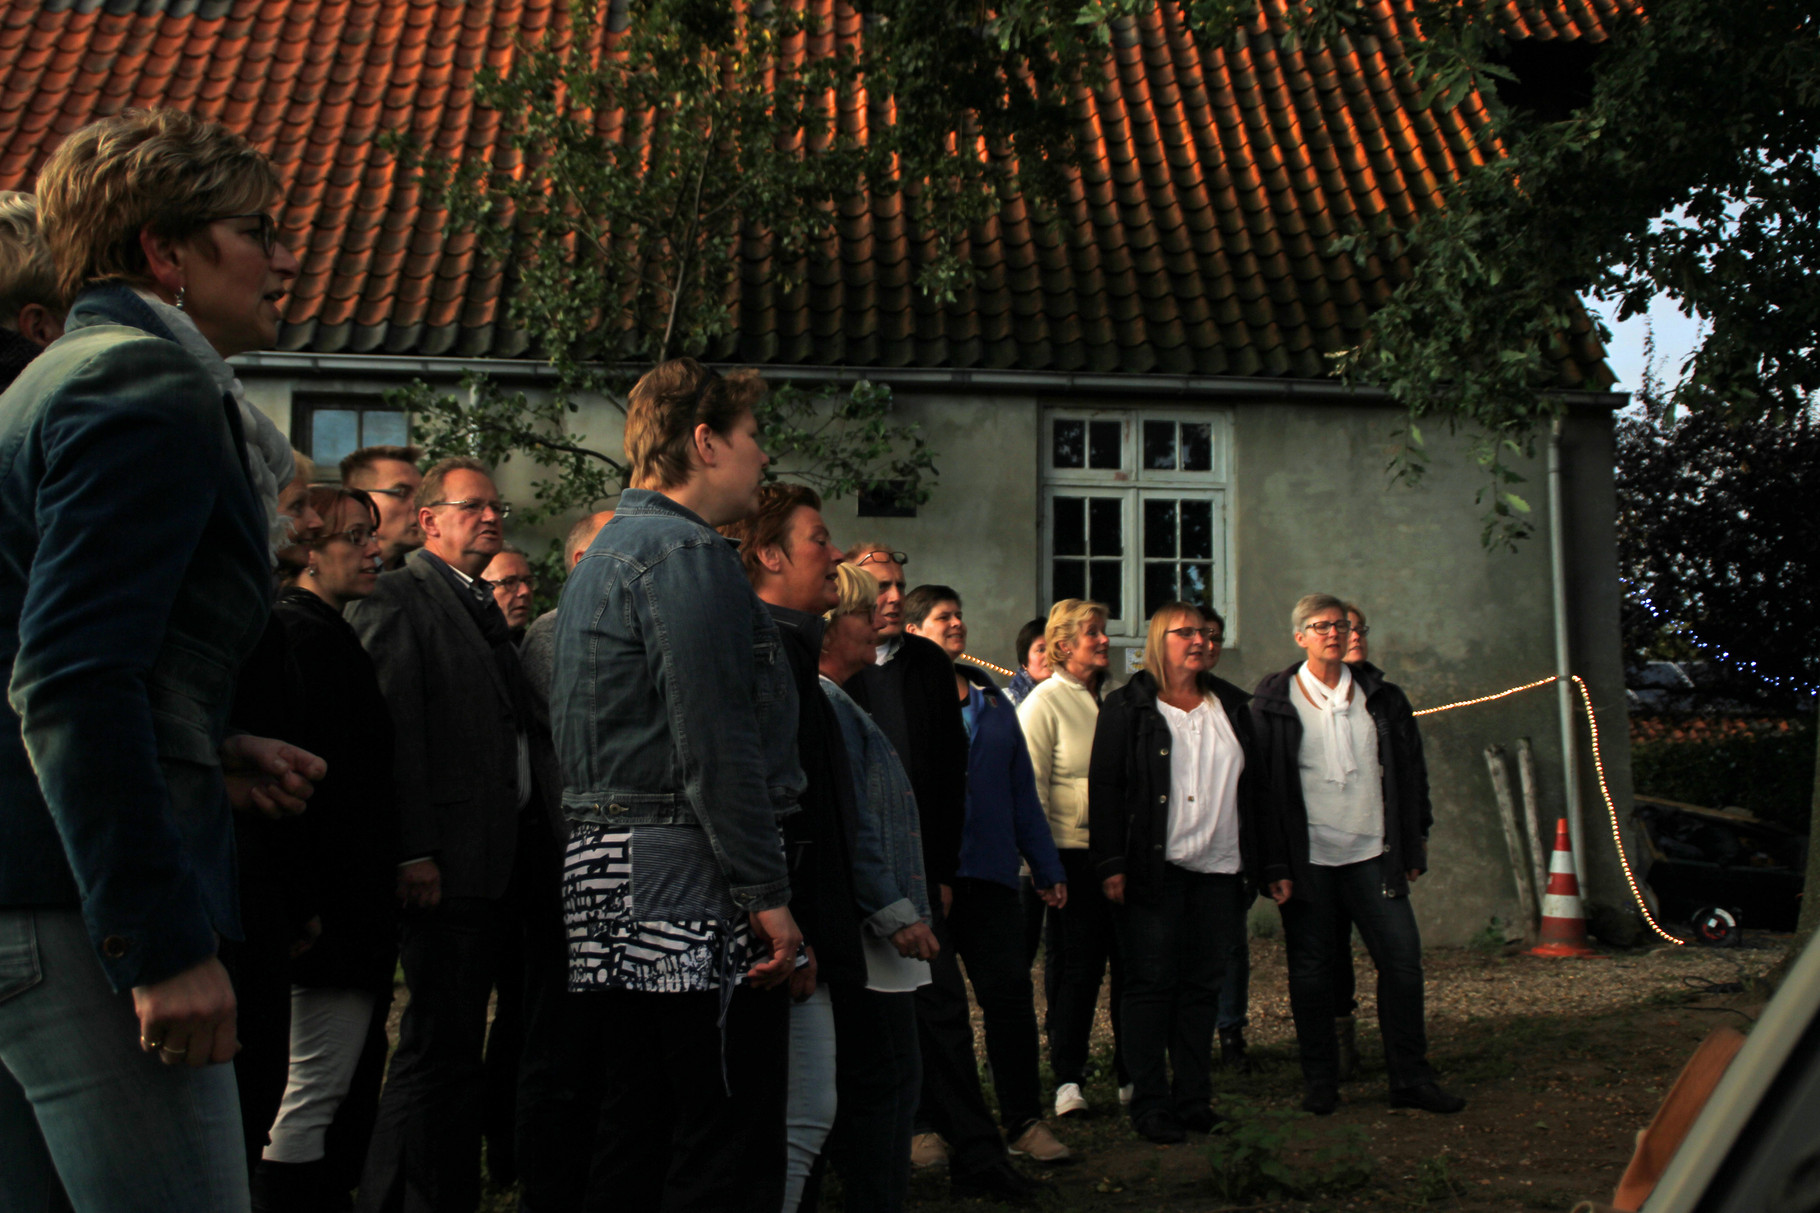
(1320,1100)
(1428,1097)
(1161,1127)
(1202,1120)
(999,1181)
(1232,1051)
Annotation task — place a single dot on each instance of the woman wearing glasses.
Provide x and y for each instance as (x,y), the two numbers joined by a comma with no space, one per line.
(341,850)
(1169,797)
(1343,823)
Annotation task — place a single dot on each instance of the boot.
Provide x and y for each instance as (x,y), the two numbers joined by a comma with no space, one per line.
(1347,1029)
(296,1187)
(1232,1050)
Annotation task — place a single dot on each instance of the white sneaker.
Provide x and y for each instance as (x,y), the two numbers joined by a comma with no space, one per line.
(1069,1101)
(1125,1094)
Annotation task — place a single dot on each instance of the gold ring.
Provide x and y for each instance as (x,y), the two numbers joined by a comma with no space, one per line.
(149,1043)
(170,1052)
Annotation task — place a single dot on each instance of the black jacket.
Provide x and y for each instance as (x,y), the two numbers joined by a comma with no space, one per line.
(912,699)
(1128,783)
(819,839)
(1283,817)
(345,844)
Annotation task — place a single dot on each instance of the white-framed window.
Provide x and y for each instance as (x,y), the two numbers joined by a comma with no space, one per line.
(1135,510)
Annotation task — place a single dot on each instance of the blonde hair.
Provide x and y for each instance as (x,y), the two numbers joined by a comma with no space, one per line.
(1066,619)
(160,170)
(858,593)
(1352,608)
(26,272)
(1310,605)
(666,405)
(1153,639)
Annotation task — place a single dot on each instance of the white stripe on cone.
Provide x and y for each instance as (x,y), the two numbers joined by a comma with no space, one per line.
(1563,930)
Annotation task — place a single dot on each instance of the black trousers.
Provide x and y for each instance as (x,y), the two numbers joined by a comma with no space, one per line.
(425,1152)
(878,1072)
(987,926)
(1176,940)
(953,1103)
(1082,943)
(673,1135)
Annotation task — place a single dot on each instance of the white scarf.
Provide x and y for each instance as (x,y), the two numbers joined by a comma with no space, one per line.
(268,451)
(1336,711)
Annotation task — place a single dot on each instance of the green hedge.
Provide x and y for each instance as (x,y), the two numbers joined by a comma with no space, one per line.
(1769,772)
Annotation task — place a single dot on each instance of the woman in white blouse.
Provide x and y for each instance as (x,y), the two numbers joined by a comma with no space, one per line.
(1169,800)
(1058,720)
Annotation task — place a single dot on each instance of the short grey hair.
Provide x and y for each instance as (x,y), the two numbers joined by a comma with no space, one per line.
(1310,605)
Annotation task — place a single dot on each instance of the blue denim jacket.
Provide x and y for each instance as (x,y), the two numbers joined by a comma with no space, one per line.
(673,705)
(889,884)
(134,580)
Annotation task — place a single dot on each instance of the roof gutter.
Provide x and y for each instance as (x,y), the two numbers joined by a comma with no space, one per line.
(1072,384)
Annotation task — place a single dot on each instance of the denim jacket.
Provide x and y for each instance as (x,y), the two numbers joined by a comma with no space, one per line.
(134,581)
(673,705)
(889,883)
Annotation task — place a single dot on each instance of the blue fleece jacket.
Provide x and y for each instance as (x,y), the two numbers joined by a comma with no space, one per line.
(1004,816)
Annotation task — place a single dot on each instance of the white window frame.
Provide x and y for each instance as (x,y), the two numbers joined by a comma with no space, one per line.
(1132,482)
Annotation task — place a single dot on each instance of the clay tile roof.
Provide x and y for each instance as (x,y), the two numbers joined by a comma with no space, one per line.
(1196,234)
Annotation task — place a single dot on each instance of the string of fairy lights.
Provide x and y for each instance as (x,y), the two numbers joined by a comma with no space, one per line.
(1717,652)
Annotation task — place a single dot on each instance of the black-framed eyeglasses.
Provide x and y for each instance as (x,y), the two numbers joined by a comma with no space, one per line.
(397,492)
(1360,630)
(1210,635)
(356,535)
(897,558)
(477,505)
(512,584)
(268,228)
(1321,627)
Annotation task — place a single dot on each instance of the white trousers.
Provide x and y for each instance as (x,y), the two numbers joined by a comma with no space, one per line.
(328,1030)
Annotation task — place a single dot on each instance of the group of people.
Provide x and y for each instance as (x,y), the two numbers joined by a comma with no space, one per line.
(680,874)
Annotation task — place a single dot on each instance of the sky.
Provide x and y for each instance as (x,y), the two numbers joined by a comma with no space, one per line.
(1676,336)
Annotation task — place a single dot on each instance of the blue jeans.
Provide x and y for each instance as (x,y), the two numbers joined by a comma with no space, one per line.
(810,1106)
(1388,926)
(1176,939)
(81,1101)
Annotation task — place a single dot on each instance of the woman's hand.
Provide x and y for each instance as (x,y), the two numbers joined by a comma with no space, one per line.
(916,941)
(1055,896)
(802,982)
(776,929)
(419,885)
(188,1020)
(269,776)
(1280,890)
(1114,888)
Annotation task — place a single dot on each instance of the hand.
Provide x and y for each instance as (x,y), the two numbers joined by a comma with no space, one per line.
(420,885)
(1114,889)
(947,900)
(1055,896)
(916,942)
(776,928)
(189,1019)
(312,931)
(1412,874)
(1280,890)
(269,776)
(802,981)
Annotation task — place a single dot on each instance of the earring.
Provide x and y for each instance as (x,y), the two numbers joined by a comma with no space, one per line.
(311,570)
(180,291)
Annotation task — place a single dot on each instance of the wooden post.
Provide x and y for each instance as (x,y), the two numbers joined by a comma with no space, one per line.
(1519,862)
(1532,814)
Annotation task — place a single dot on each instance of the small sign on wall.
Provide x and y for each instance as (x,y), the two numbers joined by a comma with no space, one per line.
(1134,660)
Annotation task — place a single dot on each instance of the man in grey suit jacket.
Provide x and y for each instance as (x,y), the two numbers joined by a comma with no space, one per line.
(477,861)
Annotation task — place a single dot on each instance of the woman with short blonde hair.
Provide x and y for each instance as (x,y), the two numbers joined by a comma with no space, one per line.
(1058,719)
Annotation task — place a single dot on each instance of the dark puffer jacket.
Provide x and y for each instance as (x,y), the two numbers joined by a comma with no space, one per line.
(1283,817)
(1128,783)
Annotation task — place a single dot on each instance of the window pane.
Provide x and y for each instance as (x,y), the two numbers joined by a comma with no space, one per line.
(383,427)
(1159,528)
(1197,584)
(1104,441)
(1070,527)
(1108,525)
(1159,445)
(1106,583)
(1197,528)
(333,433)
(1197,446)
(1070,579)
(1070,445)
(1159,586)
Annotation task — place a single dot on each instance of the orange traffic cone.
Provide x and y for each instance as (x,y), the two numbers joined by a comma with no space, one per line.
(1563,919)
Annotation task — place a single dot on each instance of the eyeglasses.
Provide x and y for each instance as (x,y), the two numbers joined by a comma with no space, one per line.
(1321,627)
(1210,635)
(356,535)
(1360,630)
(477,505)
(897,558)
(397,492)
(268,228)
(512,584)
